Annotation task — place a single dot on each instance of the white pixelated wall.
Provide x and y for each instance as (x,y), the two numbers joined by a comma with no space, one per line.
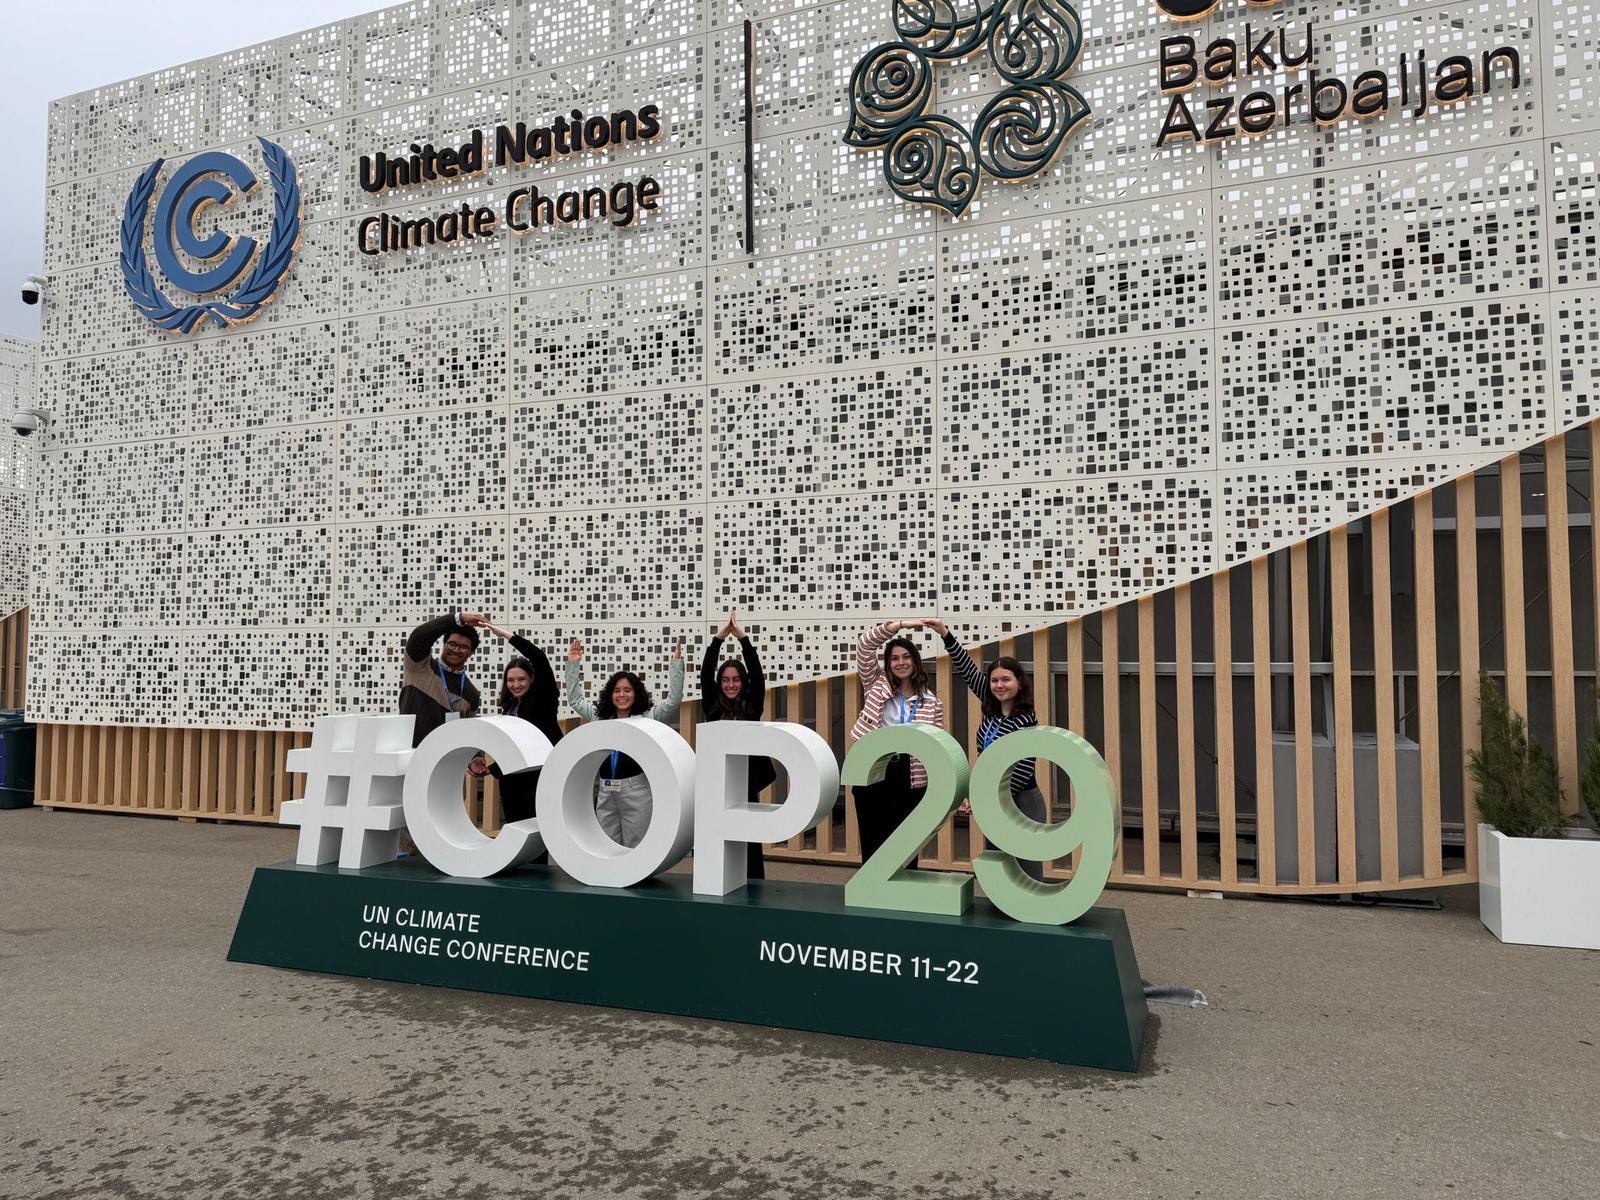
(16,473)
(1137,367)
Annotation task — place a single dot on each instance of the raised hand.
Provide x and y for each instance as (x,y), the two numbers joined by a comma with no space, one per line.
(733,625)
(496,630)
(935,624)
(727,626)
(575,651)
(677,649)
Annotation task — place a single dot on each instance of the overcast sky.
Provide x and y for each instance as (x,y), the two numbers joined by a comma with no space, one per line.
(54,48)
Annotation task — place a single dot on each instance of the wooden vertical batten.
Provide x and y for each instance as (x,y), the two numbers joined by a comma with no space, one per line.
(1304,789)
(1266,814)
(1563,679)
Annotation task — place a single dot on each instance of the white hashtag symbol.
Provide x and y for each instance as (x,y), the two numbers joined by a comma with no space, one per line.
(351,809)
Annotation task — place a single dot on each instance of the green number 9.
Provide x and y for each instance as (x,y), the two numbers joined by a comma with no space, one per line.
(884,880)
(1092,826)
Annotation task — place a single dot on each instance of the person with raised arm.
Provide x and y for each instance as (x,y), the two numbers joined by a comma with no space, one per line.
(895,691)
(623,805)
(737,691)
(527,691)
(1005,698)
(436,690)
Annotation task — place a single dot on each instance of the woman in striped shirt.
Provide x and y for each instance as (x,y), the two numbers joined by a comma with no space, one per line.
(1006,699)
(895,692)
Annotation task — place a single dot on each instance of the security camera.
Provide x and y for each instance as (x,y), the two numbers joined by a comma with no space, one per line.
(34,289)
(30,421)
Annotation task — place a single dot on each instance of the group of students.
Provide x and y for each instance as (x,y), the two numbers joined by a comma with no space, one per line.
(896,690)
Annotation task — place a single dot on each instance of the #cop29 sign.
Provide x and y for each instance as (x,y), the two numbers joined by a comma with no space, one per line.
(898,953)
(213,263)
(364,783)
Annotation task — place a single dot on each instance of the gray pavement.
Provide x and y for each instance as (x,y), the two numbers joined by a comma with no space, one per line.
(1347,1052)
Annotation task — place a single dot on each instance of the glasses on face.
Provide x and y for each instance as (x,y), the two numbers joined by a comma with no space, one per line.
(459,647)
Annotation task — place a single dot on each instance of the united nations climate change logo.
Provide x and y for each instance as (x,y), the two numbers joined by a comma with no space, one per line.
(202,181)
(930,159)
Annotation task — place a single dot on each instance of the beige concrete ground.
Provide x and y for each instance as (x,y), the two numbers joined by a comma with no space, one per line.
(1348,1052)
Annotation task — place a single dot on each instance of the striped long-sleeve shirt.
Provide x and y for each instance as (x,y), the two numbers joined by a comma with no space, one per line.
(877,691)
(991,728)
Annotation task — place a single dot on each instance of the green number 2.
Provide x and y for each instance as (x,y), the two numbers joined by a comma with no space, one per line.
(884,880)
(1092,826)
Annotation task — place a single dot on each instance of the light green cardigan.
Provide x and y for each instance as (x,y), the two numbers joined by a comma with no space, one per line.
(665,710)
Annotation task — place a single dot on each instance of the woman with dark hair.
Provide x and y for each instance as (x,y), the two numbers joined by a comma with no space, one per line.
(737,691)
(527,690)
(895,692)
(624,801)
(1006,699)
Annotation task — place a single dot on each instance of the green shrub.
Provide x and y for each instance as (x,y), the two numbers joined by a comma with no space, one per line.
(1517,785)
(1590,788)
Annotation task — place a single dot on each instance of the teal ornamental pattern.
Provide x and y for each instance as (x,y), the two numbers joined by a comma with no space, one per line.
(931,159)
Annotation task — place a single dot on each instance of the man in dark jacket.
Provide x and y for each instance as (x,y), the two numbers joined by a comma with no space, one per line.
(436,690)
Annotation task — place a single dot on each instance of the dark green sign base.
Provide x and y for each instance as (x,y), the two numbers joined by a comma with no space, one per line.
(773,953)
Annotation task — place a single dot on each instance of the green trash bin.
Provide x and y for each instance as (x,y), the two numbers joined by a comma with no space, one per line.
(17,741)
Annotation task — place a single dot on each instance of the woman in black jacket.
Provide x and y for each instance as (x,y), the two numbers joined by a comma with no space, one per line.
(527,690)
(737,691)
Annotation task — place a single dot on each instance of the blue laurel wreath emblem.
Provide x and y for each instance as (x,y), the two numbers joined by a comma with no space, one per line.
(931,159)
(258,286)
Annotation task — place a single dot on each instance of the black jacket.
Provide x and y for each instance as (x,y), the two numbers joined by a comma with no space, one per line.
(542,701)
(538,707)
(752,701)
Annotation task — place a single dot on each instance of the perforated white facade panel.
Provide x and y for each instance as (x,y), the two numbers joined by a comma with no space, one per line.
(1130,370)
(16,473)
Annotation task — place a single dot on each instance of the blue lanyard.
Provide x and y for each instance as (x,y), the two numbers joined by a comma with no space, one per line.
(451,701)
(904,720)
(987,733)
(615,756)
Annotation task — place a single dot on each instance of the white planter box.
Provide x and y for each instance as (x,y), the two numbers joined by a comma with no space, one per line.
(1540,891)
